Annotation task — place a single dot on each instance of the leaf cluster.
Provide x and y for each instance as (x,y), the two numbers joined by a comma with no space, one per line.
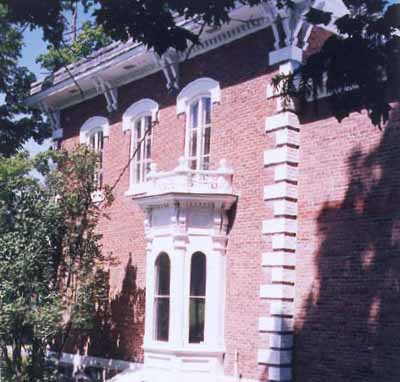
(50,255)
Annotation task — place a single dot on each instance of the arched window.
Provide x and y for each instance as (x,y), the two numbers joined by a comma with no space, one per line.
(92,133)
(139,118)
(197,302)
(199,133)
(161,297)
(196,100)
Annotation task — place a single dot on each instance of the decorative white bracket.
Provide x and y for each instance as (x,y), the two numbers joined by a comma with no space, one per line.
(169,63)
(54,119)
(110,93)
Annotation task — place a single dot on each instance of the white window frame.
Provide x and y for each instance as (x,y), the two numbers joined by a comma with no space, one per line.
(194,91)
(93,126)
(139,110)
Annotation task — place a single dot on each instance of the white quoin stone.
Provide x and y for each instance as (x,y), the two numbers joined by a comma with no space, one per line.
(277,291)
(279,225)
(283,275)
(280,190)
(278,259)
(280,341)
(279,374)
(275,324)
(283,154)
(283,308)
(282,120)
(275,357)
(285,172)
(292,53)
(285,207)
(287,137)
(281,241)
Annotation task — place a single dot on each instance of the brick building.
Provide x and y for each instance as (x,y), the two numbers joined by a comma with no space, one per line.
(254,242)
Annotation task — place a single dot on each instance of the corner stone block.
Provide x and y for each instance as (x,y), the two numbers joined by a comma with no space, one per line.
(282,120)
(279,374)
(278,259)
(274,357)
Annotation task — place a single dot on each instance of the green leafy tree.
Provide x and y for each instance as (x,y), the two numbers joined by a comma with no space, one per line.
(89,39)
(18,122)
(50,257)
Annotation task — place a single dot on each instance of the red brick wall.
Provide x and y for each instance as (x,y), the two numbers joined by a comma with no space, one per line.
(348,265)
(238,136)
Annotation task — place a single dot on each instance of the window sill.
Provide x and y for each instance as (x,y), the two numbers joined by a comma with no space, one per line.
(189,350)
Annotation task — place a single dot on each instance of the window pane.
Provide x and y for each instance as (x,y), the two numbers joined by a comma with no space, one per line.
(162,319)
(161,301)
(197,314)
(138,173)
(193,164)
(207,140)
(148,148)
(138,132)
(147,124)
(194,114)
(206,163)
(193,143)
(207,110)
(163,274)
(198,275)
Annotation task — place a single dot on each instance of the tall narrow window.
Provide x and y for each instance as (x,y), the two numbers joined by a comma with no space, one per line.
(199,134)
(161,298)
(142,144)
(96,142)
(197,298)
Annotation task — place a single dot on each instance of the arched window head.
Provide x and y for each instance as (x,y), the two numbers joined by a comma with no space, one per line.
(202,86)
(139,119)
(196,101)
(162,297)
(91,126)
(197,302)
(92,133)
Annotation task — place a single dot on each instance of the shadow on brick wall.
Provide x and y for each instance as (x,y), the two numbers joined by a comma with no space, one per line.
(118,322)
(351,328)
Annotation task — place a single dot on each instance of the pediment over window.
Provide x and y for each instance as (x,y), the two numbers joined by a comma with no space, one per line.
(138,109)
(92,124)
(199,87)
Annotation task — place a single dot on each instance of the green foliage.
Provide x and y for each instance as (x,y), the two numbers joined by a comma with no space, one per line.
(367,76)
(50,255)
(89,40)
(18,122)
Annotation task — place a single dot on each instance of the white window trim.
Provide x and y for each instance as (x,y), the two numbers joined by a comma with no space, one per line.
(142,108)
(91,125)
(196,88)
